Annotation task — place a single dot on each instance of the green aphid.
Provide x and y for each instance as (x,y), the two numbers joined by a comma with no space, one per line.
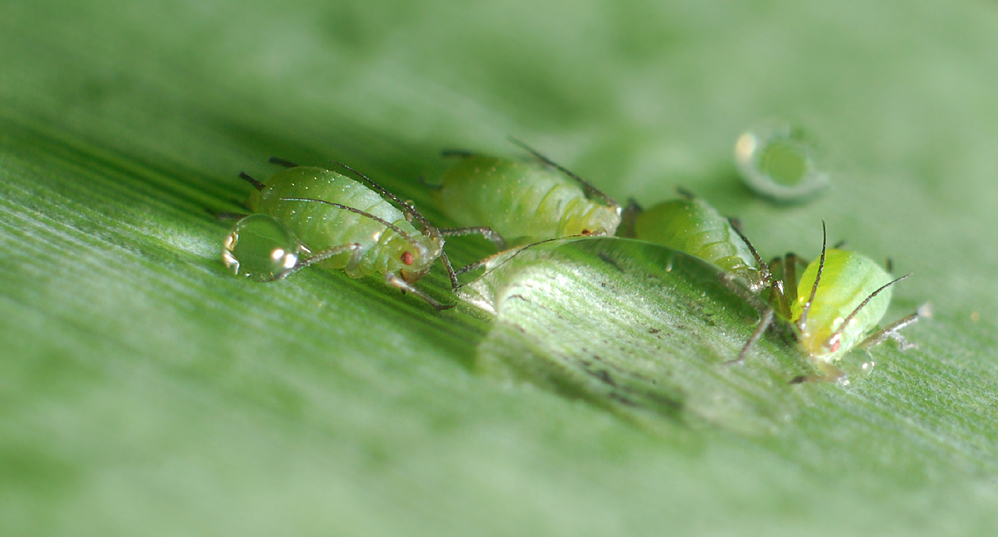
(834,307)
(692,226)
(307,215)
(524,202)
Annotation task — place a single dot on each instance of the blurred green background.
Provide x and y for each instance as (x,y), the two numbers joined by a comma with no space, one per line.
(145,390)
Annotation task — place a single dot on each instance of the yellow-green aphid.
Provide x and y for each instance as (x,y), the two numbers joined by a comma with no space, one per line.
(836,306)
(307,215)
(691,225)
(525,202)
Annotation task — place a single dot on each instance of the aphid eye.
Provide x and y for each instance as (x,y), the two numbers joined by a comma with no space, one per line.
(586,232)
(407,258)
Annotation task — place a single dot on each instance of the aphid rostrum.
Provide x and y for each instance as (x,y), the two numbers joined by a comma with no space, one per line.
(308,215)
(524,202)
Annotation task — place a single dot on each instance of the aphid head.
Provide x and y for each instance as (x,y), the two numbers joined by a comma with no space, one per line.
(417,256)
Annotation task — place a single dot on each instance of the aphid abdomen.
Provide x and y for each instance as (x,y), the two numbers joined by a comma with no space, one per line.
(523,202)
(320,226)
(694,227)
(847,280)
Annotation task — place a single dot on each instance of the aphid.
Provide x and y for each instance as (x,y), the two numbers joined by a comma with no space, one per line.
(307,215)
(691,225)
(779,162)
(834,307)
(525,202)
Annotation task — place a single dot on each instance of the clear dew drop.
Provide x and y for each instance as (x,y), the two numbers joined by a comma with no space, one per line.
(261,248)
(778,162)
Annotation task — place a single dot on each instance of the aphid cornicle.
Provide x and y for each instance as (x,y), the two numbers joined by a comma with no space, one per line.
(307,215)
(525,202)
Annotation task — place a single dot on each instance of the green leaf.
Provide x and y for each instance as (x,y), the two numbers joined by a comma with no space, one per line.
(147,391)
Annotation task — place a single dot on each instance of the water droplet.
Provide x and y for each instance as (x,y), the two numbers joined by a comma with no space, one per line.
(261,247)
(778,162)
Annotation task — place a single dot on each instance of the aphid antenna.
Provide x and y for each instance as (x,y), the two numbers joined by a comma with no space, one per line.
(381,221)
(249,179)
(591,190)
(834,335)
(767,278)
(802,323)
(384,192)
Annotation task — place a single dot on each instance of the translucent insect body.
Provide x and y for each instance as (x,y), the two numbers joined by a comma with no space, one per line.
(525,202)
(833,307)
(306,215)
(691,225)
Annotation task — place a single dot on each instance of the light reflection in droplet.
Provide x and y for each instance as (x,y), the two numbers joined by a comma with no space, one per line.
(778,162)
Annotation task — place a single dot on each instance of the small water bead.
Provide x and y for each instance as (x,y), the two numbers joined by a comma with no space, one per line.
(778,162)
(261,248)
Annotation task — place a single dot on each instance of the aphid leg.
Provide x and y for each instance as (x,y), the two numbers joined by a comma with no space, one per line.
(450,271)
(407,287)
(590,190)
(282,162)
(484,231)
(889,264)
(472,266)
(839,245)
(249,179)
(760,329)
(892,332)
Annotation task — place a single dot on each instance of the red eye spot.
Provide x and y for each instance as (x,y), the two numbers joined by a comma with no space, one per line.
(407,258)
(586,232)
(836,345)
